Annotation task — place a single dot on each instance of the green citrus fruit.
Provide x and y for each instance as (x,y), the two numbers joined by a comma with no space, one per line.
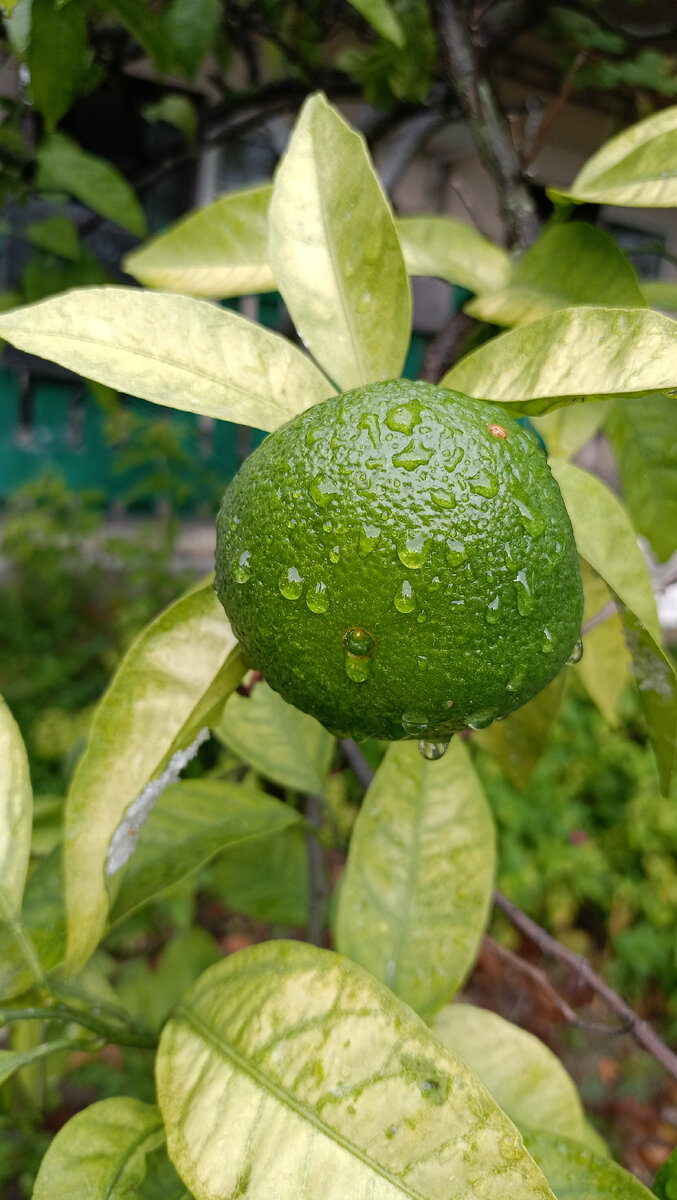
(398,562)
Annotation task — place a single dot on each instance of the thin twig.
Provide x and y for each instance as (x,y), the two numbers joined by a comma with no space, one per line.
(319,890)
(639,1029)
(111,1033)
(356,761)
(661,584)
(539,977)
(635,1026)
(553,112)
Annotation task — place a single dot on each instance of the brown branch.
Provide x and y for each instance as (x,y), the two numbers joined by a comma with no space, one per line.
(478,103)
(539,977)
(634,1025)
(553,112)
(639,1029)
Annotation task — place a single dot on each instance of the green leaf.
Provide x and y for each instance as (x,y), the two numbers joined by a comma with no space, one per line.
(219,251)
(568,265)
(416,892)
(14,1060)
(524,1076)
(607,541)
(191,823)
(566,430)
(645,448)
(290,1072)
(171,350)
(64,166)
(665,1183)
(604,668)
(143,24)
(638,168)
(177,110)
(16,815)
(382,17)
(576,1173)
(277,740)
(518,742)
(335,253)
(56,235)
(58,58)
(659,294)
(42,929)
(448,249)
(266,879)
(149,993)
(190,27)
(100,1152)
(577,353)
(149,703)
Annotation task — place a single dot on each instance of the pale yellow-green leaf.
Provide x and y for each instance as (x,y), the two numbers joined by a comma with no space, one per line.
(219,251)
(100,1154)
(8,6)
(335,253)
(149,703)
(416,892)
(576,1172)
(449,249)
(605,666)
(524,1076)
(607,541)
(290,1073)
(644,441)
(566,430)
(659,294)
(382,17)
(576,353)
(172,350)
(277,740)
(518,742)
(16,815)
(637,168)
(569,264)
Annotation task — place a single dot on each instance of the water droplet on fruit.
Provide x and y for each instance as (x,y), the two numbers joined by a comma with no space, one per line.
(421,617)
(452,458)
(435,583)
(368,539)
(291,584)
(414,723)
(235,521)
(359,643)
(576,654)
(322,490)
(491,615)
(370,423)
(480,720)
(327,526)
(525,600)
(433,750)
(516,680)
(547,645)
(421,662)
(442,499)
(414,455)
(533,522)
(357,669)
(456,552)
(317,597)
(404,417)
(483,484)
(404,599)
(413,551)
(335,554)
(242,569)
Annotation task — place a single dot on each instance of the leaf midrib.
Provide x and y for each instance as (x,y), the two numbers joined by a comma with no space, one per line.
(287,1100)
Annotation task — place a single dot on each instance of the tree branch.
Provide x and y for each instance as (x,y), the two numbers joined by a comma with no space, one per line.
(634,1025)
(478,102)
(639,1029)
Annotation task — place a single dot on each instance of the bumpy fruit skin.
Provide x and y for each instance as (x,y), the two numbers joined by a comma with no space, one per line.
(398,562)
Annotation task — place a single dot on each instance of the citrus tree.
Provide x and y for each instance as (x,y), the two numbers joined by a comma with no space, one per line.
(290,1070)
